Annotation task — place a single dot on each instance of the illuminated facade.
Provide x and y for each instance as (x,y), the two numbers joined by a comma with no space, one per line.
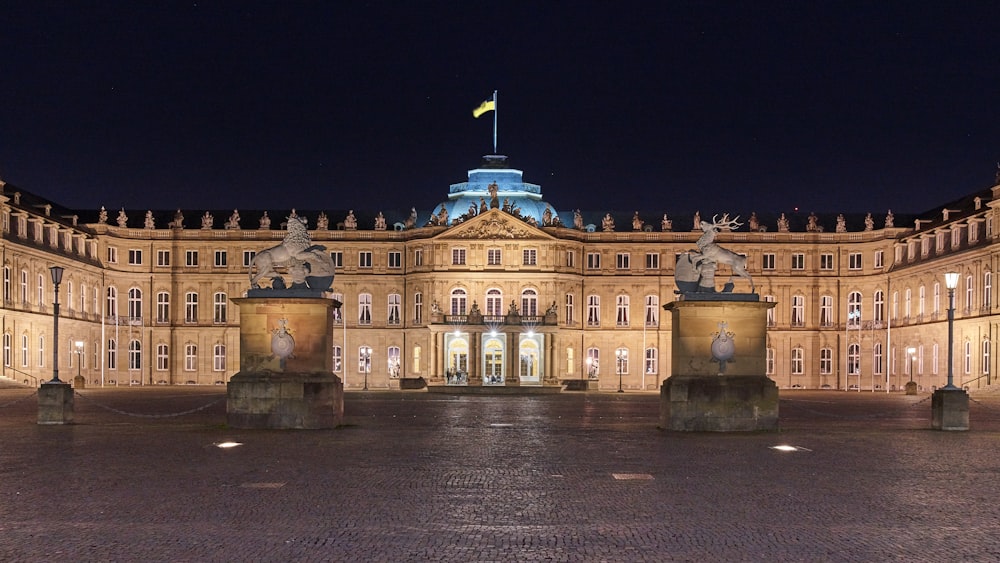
(498,288)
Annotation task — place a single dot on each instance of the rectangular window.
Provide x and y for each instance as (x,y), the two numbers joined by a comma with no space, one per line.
(418,257)
(162,357)
(338,355)
(570,309)
(652,310)
(395,260)
(219,357)
(826,261)
(798,362)
(163,307)
(365,259)
(593,310)
(394,306)
(854,261)
(418,308)
(191,258)
(112,255)
(570,259)
(621,310)
(458,256)
(530,257)
(826,361)
(220,308)
(221,258)
(163,258)
(769,368)
(652,261)
(798,261)
(248,256)
(190,357)
(337,258)
(365,309)
(652,361)
(767,261)
(493,257)
(134,257)
(622,261)
(593,261)
(191,307)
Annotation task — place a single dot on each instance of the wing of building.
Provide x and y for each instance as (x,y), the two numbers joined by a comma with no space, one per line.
(496,287)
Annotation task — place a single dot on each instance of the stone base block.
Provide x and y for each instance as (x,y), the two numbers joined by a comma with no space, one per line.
(950,409)
(55,403)
(739,403)
(285,400)
(412,383)
(911,388)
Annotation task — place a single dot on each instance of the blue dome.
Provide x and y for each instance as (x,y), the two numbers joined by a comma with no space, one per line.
(510,189)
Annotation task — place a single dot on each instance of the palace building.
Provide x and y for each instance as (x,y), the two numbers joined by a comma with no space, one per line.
(496,287)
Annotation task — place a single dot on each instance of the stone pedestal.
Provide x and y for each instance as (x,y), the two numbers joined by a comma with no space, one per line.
(286,378)
(718,362)
(55,403)
(738,403)
(79,382)
(950,409)
(911,387)
(285,400)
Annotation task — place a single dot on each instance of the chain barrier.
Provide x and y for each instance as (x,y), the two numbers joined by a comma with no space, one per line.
(881,414)
(33,394)
(983,406)
(141,415)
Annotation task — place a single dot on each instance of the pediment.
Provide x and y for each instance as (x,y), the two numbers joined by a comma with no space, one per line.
(494,224)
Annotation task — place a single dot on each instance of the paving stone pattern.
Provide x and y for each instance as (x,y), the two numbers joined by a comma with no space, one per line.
(569,477)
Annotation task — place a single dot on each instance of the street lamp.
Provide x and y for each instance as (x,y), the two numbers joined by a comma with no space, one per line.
(366,362)
(78,346)
(621,355)
(57,274)
(911,352)
(951,282)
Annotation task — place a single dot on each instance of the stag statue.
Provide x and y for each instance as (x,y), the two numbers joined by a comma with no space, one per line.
(696,269)
(296,250)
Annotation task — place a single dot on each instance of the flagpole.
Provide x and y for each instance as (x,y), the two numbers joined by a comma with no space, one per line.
(496,109)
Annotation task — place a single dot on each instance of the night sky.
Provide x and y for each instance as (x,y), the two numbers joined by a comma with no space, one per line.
(661,106)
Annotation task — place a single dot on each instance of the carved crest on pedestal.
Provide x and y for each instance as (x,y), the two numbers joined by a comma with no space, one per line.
(494,226)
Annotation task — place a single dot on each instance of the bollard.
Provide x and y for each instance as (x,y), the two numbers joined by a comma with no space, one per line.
(55,403)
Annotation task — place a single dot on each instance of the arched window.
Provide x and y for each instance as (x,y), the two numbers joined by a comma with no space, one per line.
(529,302)
(191,307)
(593,310)
(364,308)
(458,301)
(621,361)
(652,361)
(798,310)
(219,357)
(494,302)
(877,365)
(854,308)
(112,354)
(826,311)
(798,361)
(135,303)
(770,310)
(854,359)
(395,301)
(112,309)
(163,307)
(593,362)
(652,310)
(906,303)
(220,309)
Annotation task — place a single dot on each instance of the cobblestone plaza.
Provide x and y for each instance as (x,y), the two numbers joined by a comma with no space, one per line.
(415,476)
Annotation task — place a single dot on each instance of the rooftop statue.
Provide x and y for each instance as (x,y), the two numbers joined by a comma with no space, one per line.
(869,222)
(380,222)
(754,222)
(782,224)
(695,271)
(322,221)
(309,265)
(411,221)
(207,220)
(122,218)
(350,222)
(608,223)
(666,225)
(547,216)
(577,220)
(150,223)
(102,216)
(637,223)
(841,224)
(233,224)
(812,225)
(889,220)
(265,222)
(178,222)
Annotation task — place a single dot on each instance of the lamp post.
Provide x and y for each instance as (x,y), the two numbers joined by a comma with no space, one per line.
(951,282)
(366,362)
(78,349)
(621,355)
(57,274)
(912,352)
